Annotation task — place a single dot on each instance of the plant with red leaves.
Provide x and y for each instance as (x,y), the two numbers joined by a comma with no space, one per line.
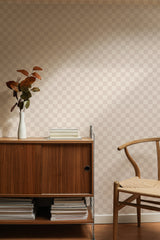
(22,89)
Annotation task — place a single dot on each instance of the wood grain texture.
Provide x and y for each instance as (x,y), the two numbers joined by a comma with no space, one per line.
(43,167)
(148,231)
(44,140)
(134,164)
(138,141)
(20,169)
(63,168)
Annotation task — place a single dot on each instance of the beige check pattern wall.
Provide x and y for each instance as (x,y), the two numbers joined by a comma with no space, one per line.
(101,67)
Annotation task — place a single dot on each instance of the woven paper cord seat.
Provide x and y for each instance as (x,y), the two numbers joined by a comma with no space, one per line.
(141,186)
(137,187)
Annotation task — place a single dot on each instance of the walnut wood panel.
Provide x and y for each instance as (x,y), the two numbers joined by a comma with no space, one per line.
(20,168)
(39,167)
(63,168)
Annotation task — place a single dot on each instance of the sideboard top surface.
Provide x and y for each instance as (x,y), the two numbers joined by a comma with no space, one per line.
(44,140)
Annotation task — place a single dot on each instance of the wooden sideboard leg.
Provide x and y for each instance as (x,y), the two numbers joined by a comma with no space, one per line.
(138,212)
(92,207)
(115,211)
(93,236)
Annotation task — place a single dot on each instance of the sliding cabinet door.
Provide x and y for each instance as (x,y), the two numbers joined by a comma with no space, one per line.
(67,168)
(20,168)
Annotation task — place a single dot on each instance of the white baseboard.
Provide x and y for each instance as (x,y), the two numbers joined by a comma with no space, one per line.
(127,218)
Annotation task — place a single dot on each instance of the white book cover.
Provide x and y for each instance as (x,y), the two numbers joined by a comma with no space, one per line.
(65,138)
(64,130)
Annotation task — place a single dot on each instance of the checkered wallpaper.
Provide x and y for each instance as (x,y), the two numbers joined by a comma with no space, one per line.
(101,67)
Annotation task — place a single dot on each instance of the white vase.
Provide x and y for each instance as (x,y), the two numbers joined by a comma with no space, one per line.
(22,125)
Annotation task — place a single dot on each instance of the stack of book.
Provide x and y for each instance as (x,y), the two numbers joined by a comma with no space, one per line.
(64,134)
(69,209)
(16,209)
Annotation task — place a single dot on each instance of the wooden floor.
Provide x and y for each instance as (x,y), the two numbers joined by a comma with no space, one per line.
(148,231)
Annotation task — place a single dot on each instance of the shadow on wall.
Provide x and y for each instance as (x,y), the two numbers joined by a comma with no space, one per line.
(63,33)
(66,38)
(5,119)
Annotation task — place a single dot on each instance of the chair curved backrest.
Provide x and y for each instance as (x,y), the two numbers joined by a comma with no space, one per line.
(133,162)
(136,187)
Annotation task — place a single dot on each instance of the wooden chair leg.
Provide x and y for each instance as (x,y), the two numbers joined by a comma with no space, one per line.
(115,211)
(138,212)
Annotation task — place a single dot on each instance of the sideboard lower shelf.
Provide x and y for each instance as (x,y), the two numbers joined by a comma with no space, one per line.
(44,220)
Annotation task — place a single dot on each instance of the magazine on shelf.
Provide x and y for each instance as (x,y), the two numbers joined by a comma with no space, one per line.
(17,217)
(13,209)
(74,130)
(65,138)
(16,209)
(68,217)
(69,209)
(64,134)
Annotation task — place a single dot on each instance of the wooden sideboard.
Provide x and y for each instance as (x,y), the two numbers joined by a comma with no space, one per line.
(39,168)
